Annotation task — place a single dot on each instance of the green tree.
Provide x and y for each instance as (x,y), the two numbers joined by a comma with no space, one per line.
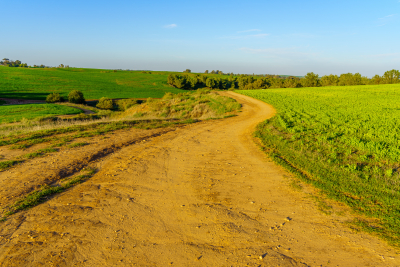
(391,76)
(76,97)
(180,82)
(105,103)
(193,82)
(171,79)
(329,80)
(376,79)
(211,83)
(54,98)
(310,80)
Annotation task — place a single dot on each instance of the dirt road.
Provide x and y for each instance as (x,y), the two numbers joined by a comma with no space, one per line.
(202,195)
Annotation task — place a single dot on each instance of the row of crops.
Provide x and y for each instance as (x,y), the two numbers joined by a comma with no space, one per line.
(345,141)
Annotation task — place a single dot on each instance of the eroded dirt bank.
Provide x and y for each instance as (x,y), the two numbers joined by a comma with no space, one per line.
(202,195)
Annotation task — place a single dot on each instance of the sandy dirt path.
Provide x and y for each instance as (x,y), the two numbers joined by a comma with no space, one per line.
(202,195)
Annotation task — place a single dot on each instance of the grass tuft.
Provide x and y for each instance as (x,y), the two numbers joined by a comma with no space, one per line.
(4,165)
(77,144)
(43,194)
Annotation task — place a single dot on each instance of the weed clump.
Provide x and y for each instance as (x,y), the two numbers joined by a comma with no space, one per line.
(105,103)
(124,104)
(54,98)
(76,97)
(4,165)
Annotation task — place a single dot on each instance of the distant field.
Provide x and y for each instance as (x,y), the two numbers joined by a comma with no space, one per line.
(343,140)
(94,83)
(13,113)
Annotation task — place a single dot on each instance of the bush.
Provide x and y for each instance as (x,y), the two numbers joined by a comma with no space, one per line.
(104,113)
(54,97)
(76,97)
(105,103)
(124,104)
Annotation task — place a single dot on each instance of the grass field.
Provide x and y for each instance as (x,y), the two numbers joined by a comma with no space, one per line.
(25,83)
(345,141)
(14,113)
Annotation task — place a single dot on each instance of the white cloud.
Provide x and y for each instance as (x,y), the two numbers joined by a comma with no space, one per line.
(170,26)
(252,30)
(386,20)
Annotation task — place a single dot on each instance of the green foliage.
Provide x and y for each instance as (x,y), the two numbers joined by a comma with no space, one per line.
(40,153)
(343,140)
(124,104)
(200,104)
(105,103)
(77,144)
(13,113)
(211,82)
(310,80)
(10,63)
(392,76)
(4,165)
(54,98)
(76,97)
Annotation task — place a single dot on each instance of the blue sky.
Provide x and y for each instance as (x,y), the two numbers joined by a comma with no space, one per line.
(274,37)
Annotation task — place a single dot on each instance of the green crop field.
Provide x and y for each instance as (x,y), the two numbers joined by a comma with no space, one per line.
(345,141)
(14,113)
(24,83)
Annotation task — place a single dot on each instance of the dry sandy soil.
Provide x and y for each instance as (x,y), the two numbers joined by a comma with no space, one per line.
(199,195)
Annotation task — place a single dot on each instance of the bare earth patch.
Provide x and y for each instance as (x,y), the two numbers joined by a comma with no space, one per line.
(199,195)
(10,101)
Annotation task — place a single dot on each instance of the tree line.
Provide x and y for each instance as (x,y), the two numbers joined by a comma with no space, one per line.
(188,80)
(11,63)
(18,64)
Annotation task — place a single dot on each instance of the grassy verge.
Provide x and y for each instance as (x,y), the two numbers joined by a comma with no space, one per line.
(15,113)
(334,139)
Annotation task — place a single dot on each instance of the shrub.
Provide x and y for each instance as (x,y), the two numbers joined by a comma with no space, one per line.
(76,97)
(168,95)
(124,104)
(54,97)
(104,113)
(105,103)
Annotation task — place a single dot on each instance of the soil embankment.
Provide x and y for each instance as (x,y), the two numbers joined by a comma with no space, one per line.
(201,195)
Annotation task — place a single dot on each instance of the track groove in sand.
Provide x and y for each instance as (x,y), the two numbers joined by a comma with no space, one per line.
(202,195)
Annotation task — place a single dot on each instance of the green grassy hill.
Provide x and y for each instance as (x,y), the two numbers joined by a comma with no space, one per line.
(15,113)
(32,83)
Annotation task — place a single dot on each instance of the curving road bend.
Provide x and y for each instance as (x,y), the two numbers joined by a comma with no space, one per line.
(202,195)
